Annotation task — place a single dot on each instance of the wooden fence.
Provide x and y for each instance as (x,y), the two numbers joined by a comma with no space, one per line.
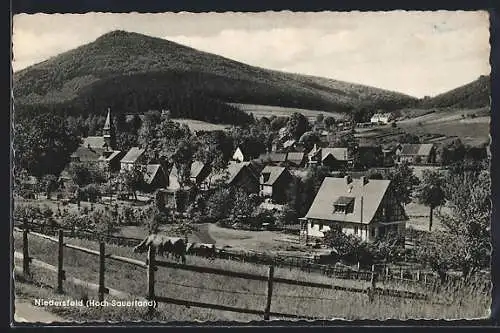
(151,267)
(403,274)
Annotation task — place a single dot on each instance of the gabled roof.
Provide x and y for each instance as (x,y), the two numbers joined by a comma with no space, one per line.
(274,172)
(93,142)
(296,157)
(107,124)
(196,168)
(423,149)
(109,157)
(340,154)
(85,154)
(332,189)
(132,155)
(273,157)
(151,172)
(231,172)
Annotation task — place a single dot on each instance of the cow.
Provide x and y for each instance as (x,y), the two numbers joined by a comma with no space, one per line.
(165,245)
(202,250)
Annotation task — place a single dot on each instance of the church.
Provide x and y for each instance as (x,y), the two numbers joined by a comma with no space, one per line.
(100,150)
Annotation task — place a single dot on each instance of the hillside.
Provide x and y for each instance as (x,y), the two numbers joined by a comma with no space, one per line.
(472,95)
(131,72)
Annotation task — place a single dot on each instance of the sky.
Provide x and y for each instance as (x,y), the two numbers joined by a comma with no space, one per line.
(416,53)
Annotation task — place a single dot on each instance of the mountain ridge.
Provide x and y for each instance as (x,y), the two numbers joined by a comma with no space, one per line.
(77,74)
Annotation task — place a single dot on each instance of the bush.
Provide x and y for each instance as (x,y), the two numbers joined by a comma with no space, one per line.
(90,193)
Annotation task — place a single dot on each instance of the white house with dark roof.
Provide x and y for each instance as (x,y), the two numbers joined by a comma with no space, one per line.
(362,207)
(382,118)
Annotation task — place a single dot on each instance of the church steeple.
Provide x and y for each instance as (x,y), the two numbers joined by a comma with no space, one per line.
(108,132)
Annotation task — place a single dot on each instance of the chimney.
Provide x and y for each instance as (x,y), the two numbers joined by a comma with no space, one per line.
(364,180)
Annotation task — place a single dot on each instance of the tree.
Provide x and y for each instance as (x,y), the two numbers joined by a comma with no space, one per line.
(431,192)
(349,248)
(50,184)
(297,125)
(320,118)
(220,204)
(465,241)
(404,182)
(329,121)
(242,206)
(83,174)
(309,139)
(43,143)
(132,180)
(183,158)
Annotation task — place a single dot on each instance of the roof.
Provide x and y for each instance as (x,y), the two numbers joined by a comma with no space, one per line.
(416,149)
(110,157)
(333,189)
(274,173)
(85,154)
(232,170)
(273,157)
(107,124)
(295,156)
(151,172)
(94,142)
(288,143)
(196,168)
(340,154)
(132,155)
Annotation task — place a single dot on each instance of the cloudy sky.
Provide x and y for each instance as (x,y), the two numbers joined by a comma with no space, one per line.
(417,53)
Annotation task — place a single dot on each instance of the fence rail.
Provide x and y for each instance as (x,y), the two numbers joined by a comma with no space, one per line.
(151,268)
(303,263)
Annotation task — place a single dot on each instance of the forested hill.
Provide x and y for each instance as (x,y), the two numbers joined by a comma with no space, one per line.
(472,95)
(131,72)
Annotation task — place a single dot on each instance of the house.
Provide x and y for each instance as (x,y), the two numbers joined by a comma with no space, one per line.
(134,157)
(362,207)
(99,149)
(289,144)
(369,156)
(314,155)
(154,177)
(197,176)
(382,118)
(272,158)
(415,153)
(336,158)
(273,182)
(239,155)
(296,159)
(238,175)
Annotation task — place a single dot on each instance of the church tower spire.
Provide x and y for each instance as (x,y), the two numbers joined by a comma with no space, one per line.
(108,132)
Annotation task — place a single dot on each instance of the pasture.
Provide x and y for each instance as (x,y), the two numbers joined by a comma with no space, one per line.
(199,125)
(260,111)
(237,292)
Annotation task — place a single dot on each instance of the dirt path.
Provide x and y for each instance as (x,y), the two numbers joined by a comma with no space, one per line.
(26,312)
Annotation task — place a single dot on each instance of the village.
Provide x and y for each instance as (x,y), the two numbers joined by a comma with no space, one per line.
(280,198)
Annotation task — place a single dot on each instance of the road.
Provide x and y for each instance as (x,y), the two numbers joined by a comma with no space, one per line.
(26,312)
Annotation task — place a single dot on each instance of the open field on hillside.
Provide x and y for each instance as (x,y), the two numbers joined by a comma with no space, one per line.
(237,292)
(199,125)
(260,111)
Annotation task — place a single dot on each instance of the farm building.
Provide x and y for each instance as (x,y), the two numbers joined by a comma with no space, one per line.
(245,153)
(240,175)
(273,182)
(134,157)
(382,118)
(272,158)
(362,207)
(154,177)
(336,158)
(100,149)
(416,153)
(296,159)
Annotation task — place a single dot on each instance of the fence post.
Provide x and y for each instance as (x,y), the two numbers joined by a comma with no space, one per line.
(371,289)
(418,275)
(102,254)
(26,255)
(401,272)
(151,274)
(60,260)
(269,292)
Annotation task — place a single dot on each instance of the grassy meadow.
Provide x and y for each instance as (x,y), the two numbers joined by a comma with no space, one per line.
(321,303)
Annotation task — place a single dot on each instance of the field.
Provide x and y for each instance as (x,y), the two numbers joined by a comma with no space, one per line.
(327,304)
(199,125)
(260,111)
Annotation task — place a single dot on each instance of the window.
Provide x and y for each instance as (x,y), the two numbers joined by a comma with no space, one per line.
(343,205)
(320,226)
(373,232)
(356,230)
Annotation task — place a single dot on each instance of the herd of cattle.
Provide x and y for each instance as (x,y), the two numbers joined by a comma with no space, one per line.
(176,247)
